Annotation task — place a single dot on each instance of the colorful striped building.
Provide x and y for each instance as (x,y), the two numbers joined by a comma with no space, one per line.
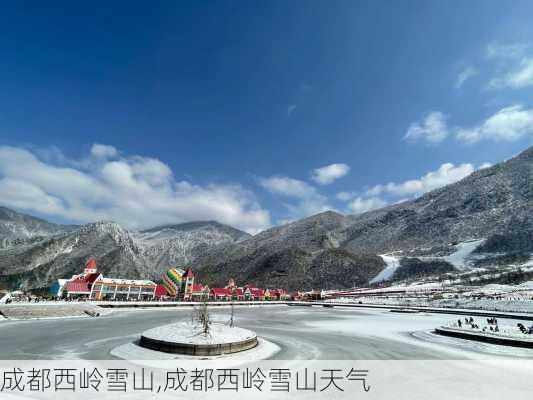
(179,283)
(173,281)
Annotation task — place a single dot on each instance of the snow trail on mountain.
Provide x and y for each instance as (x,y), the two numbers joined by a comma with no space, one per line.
(386,274)
(459,259)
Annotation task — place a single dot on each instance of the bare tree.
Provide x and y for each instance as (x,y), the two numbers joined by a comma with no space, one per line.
(232,317)
(203,317)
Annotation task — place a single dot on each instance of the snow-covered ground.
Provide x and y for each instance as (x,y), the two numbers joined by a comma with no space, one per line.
(191,333)
(515,306)
(417,329)
(505,290)
(404,359)
(301,333)
(493,297)
(42,310)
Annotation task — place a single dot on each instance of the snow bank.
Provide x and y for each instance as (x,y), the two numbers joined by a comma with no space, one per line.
(151,358)
(191,333)
(526,285)
(26,311)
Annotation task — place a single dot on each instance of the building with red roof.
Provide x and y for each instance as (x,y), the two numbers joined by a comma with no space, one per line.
(77,286)
(90,266)
(197,287)
(238,293)
(279,294)
(188,283)
(161,292)
(94,286)
(221,294)
(91,278)
(199,292)
(256,293)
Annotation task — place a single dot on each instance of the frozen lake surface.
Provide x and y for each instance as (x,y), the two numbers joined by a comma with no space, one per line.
(300,332)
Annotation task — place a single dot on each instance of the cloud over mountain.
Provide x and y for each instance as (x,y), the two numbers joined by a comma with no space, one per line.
(330,173)
(381,195)
(507,124)
(360,205)
(446,174)
(305,199)
(135,191)
(431,129)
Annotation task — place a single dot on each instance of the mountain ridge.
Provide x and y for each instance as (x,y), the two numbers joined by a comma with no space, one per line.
(488,202)
(20,226)
(59,253)
(321,250)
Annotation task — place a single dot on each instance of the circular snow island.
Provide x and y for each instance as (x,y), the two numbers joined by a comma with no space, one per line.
(189,339)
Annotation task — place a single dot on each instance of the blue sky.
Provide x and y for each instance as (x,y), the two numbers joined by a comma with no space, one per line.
(254,113)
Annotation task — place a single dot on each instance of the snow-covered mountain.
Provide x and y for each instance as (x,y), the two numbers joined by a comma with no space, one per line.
(428,235)
(37,260)
(16,227)
(483,221)
(38,263)
(490,201)
(181,244)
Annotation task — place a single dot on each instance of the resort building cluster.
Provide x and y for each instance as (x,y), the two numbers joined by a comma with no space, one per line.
(177,284)
(92,285)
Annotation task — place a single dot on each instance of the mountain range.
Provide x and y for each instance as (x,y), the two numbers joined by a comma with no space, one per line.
(492,208)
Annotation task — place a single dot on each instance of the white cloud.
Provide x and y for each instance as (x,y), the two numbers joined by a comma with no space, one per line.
(307,207)
(28,196)
(519,78)
(432,129)
(135,191)
(287,186)
(445,175)
(345,196)
(308,200)
(506,51)
(329,173)
(508,124)
(360,204)
(379,196)
(523,76)
(513,65)
(464,75)
(103,151)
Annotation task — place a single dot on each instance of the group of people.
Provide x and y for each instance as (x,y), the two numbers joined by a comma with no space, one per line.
(469,322)
(492,325)
(523,329)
